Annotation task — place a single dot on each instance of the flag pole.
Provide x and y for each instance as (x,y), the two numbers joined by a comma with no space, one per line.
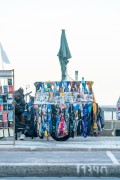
(4,57)
(2,65)
(1,56)
(2,62)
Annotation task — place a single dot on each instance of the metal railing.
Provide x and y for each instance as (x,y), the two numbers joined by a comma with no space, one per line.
(112,110)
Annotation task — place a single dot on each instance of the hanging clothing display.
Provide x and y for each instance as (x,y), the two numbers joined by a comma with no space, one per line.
(67,107)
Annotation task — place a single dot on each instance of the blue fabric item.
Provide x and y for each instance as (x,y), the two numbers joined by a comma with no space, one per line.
(85,109)
(57,123)
(10,107)
(76,107)
(55,87)
(5,89)
(57,94)
(9,81)
(65,87)
(10,116)
(61,84)
(85,120)
(1,116)
(44,90)
(40,84)
(83,85)
(5,107)
(68,83)
(49,107)
(1,98)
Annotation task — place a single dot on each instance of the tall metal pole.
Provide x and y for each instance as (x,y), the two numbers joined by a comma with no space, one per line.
(76,75)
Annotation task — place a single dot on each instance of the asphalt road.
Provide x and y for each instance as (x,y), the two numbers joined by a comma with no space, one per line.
(93,157)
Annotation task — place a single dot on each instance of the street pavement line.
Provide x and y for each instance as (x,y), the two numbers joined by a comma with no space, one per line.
(112,157)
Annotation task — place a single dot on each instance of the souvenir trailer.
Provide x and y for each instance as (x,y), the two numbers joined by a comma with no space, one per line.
(118,110)
(66,108)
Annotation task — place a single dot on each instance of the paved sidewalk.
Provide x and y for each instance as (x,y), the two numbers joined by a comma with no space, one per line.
(72,144)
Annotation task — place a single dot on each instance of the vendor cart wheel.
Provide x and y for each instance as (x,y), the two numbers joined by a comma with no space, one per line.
(40,136)
(65,138)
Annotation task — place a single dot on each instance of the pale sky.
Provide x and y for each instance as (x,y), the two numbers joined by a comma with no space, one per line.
(30,33)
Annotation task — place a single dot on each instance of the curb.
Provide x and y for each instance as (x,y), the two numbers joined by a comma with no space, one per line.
(28,149)
(58,170)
